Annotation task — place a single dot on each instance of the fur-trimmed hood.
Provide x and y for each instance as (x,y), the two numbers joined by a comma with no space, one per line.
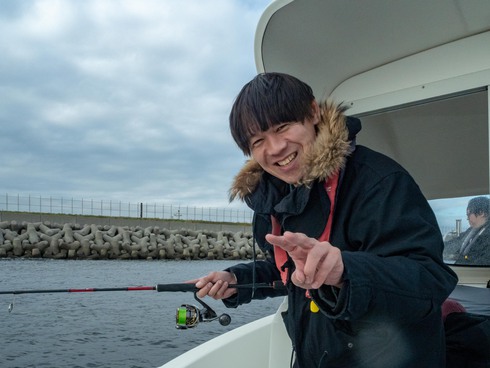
(327,155)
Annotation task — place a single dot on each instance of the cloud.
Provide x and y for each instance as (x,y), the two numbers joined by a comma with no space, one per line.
(123,100)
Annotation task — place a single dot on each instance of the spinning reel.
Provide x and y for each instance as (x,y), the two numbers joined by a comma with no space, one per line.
(189,316)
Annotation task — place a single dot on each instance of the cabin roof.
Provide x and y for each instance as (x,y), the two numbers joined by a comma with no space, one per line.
(325,42)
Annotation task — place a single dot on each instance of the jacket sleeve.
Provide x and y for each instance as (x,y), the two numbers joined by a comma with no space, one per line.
(393,268)
(265,271)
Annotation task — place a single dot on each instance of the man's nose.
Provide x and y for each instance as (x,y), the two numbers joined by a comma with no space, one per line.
(275,144)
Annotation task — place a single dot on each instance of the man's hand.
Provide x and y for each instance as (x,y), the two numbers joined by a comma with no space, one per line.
(316,262)
(215,285)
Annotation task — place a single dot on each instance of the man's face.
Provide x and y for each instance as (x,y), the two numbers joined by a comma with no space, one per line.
(475,220)
(280,150)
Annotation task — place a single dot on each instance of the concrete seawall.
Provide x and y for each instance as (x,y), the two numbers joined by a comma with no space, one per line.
(31,235)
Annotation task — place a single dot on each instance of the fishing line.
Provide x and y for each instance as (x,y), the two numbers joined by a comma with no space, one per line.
(254,255)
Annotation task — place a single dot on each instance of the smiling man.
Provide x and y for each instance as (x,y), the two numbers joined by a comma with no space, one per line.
(347,230)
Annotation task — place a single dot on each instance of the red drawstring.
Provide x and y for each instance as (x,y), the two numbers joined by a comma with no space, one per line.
(280,255)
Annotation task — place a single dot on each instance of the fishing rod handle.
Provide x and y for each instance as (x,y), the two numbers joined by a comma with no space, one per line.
(176,287)
(185,287)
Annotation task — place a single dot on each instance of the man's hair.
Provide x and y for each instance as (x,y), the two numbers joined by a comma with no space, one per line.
(478,206)
(267,100)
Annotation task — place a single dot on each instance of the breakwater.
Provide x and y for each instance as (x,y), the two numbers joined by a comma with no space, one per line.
(95,241)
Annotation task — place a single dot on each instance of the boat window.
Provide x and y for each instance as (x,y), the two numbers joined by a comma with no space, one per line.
(465,226)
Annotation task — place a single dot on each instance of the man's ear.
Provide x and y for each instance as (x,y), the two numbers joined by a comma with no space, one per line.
(316,112)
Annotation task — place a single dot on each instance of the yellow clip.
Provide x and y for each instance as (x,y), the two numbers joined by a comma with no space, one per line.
(313,307)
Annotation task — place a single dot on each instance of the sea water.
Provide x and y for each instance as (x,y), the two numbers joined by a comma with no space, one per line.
(105,329)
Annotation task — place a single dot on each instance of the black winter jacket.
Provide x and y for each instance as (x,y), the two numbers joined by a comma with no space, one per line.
(388,312)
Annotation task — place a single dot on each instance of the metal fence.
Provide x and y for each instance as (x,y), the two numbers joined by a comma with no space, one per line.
(110,208)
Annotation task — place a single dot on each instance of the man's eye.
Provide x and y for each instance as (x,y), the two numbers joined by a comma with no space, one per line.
(281,127)
(256,142)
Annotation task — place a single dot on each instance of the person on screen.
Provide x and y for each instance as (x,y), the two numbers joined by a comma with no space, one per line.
(472,246)
(347,231)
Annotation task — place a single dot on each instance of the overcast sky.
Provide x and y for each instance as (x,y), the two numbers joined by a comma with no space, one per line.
(123,100)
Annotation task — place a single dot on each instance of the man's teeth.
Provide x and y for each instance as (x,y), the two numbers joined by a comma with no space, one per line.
(287,160)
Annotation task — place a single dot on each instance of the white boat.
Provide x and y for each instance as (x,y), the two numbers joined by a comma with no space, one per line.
(417,74)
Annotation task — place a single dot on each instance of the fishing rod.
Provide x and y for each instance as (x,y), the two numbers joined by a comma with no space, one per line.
(183,287)
(187,316)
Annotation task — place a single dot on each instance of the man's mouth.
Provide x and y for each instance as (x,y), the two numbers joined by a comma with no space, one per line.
(287,160)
